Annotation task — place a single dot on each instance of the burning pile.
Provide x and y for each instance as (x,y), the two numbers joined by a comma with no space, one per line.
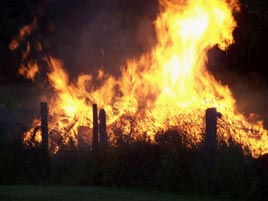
(167,87)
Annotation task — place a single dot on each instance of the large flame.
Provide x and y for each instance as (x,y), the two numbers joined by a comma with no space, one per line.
(167,87)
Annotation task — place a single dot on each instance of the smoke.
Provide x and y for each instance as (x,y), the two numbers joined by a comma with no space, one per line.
(251,96)
(250,89)
(89,35)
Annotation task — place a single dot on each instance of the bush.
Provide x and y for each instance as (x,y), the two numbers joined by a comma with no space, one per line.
(166,162)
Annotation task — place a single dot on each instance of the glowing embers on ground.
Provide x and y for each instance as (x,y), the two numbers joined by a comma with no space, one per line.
(167,87)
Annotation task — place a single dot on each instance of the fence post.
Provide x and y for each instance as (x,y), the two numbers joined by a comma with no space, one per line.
(3,125)
(95,128)
(44,125)
(211,131)
(44,133)
(103,132)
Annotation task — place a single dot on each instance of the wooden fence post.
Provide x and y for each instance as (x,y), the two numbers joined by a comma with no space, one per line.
(44,133)
(95,141)
(44,125)
(3,125)
(102,129)
(211,131)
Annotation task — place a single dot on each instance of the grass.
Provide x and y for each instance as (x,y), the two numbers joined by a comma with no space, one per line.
(68,193)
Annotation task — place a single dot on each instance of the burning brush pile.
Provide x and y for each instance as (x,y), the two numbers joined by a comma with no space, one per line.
(168,87)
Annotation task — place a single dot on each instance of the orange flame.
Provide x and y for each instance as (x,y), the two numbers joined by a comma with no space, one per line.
(29,71)
(26,30)
(169,86)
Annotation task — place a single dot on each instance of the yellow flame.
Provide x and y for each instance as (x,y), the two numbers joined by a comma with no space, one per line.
(167,87)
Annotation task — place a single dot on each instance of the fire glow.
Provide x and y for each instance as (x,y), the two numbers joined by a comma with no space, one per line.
(164,88)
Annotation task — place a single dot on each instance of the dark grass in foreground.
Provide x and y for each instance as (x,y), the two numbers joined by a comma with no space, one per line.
(68,193)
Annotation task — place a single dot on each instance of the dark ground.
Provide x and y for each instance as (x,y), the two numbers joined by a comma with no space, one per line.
(68,193)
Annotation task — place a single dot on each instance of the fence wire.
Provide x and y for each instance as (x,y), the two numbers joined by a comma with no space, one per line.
(145,121)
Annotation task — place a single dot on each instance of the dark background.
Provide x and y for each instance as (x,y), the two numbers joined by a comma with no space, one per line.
(92,34)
